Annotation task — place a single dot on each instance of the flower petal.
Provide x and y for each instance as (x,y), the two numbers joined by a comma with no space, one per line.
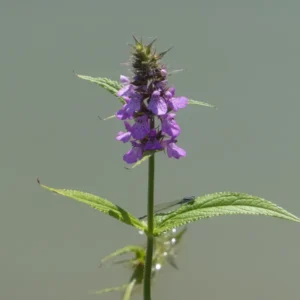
(158,104)
(133,155)
(153,143)
(174,151)
(127,126)
(170,126)
(124,79)
(121,113)
(124,90)
(178,102)
(141,128)
(123,136)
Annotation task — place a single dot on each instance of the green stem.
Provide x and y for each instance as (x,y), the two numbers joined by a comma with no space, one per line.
(149,253)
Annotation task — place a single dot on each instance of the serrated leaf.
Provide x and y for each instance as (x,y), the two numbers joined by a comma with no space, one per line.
(196,102)
(100,204)
(218,204)
(138,250)
(110,85)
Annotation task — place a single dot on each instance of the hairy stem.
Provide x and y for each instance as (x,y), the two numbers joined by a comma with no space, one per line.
(149,252)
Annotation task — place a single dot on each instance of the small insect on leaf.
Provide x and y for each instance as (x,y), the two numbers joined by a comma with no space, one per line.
(164,206)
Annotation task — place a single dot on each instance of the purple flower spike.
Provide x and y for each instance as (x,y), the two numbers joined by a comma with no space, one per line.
(141,128)
(173,150)
(157,104)
(127,88)
(125,136)
(169,125)
(133,104)
(134,154)
(153,143)
(150,105)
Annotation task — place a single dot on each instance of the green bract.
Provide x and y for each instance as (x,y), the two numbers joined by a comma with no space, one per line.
(201,103)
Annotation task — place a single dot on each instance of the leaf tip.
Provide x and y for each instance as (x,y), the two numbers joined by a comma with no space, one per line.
(77,75)
(107,118)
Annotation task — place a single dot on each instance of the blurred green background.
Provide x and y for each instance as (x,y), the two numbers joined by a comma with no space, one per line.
(243,56)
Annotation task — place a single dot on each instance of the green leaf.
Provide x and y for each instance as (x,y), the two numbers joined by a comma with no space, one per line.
(102,205)
(129,289)
(112,289)
(201,103)
(178,237)
(107,118)
(110,85)
(218,204)
(139,251)
(145,157)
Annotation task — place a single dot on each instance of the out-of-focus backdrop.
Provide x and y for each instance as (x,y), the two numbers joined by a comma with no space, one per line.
(242,56)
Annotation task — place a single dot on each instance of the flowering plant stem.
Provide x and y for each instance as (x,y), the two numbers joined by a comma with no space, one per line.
(149,252)
(147,97)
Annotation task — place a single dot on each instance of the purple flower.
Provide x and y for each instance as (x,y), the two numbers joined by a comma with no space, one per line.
(161,85)
(134,154)
(127,88)
(175,103)
(173,150)
(133,104)
(122,114)
(125,136)
(153,143)
(141,128)
(178,102)
(163,72)
(157,104)
(169,125)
